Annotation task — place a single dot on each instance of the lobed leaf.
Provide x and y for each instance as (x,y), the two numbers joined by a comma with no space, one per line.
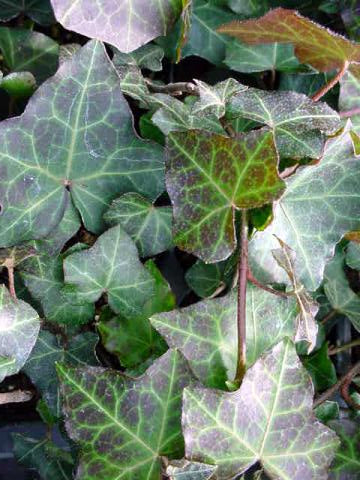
(147,225)
(110,266)
(321,204)
(76,134)
(269,419)
(107,415)
(314,44)
(208,177)
(19,328)
(204,332)
(298,123)
(127,26)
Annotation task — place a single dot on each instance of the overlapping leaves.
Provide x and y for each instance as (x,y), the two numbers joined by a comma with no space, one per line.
(76,133)
(321,204)
(107,415)
(208,177)
(126,25)
(314,44)
(204,332)
(269,420)
(38,10)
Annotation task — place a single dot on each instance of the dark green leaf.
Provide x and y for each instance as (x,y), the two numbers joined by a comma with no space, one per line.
(110,266)
(107,415)
(347,460)
(80,120)
(126,26)
(321,368)
(320,205)
(205,332)
(208,177)
(327,411)
(38,10)
(149,57)
(25,50)
(40,366)
(19,328)
(147,225)
(298,123)
(269,420)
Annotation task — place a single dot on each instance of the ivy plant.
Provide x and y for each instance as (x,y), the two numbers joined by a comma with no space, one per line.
(180,238)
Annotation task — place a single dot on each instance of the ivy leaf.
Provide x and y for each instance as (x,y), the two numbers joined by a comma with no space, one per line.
(204,332)
(203,39)
(126,26)
(314,44)
(40,366)
(246,8)
(149,57)
(274,422)
(90,139)
(12,257)
(321,368)
(104,415)
(43,276)
(25,50)
(353,255)
(110,266)
(213,99)
(337,289)
(346,465)
(19,85)
(350,94)
(185,470)
(50,461)
(134,340)
(320,205)
(307,327)
(258,58)
(208,177)
(327,411)
(19,328)
(298,123)
(38,10)
(147,225)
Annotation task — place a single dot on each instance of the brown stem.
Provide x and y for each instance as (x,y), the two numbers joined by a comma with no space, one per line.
(346,346)
(255,282)
(173,88)
(323,90)
(241,300)
(354,370)
(228,127)
(344,389)
(350,113)
(9,264)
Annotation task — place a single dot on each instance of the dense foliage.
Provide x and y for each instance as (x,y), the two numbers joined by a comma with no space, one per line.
(180,237)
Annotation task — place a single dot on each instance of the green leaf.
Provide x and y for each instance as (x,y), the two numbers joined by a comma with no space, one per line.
(203,39)
(258,58)
(338,291)
(107,416)
(126,26)
(38,10)
(246,8)
(147,225)
(89,136)
(149,130)
(43,276)
(327,411)
(12,257)
(25,50)
(206,332)
(110,266)
(321,368)
(320,205)
(149,57)
(40,366)
(185,470)
(269,420)
(50,461)
(19,85)
(314,44)
(134,340)
(346,465)
(298,123)
(19,328)
(350,95)
(353,255)
(210,176)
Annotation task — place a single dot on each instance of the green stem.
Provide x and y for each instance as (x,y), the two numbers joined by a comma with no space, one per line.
(346,346)
(241,300)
